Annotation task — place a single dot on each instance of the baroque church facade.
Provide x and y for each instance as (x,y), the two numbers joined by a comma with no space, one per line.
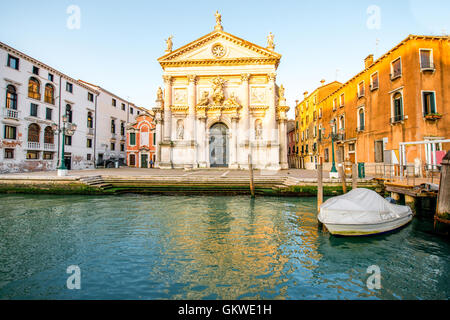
(221,103)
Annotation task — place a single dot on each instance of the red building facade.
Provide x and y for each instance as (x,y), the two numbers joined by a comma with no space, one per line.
(141,142)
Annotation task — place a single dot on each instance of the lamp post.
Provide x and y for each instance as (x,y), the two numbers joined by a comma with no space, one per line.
(333,173)
(69,129)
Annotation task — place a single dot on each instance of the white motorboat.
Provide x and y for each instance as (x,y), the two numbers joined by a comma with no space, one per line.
(362,212)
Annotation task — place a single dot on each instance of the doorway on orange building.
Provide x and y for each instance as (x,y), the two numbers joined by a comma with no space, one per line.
(144,160)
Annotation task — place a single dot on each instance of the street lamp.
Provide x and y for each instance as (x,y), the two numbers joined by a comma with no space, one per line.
(69,130)
(333,136)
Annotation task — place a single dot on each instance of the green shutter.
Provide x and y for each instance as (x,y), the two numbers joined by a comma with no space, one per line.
(432,102)
(132,138)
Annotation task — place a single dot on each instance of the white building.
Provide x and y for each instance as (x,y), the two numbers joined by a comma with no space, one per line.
(34,98)
(220,104)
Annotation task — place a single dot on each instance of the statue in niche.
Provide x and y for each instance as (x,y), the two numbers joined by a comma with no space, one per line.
(159,94)
(218,95)
(169,44)
(204,100)
(258,129)
(180,130)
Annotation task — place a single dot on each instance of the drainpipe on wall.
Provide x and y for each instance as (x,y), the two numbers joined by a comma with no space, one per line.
(95,131)
(59,122)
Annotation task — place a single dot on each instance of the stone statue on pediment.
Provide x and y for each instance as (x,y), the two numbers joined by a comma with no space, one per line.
(169,44)
(270,41)
(159,94)
(204,100)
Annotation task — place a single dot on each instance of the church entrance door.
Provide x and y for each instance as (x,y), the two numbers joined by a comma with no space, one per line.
(218,146)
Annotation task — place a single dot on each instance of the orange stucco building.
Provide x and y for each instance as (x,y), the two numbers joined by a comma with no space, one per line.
(401,97)
(141,143)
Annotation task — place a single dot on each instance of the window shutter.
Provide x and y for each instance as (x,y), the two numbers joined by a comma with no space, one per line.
(432,103)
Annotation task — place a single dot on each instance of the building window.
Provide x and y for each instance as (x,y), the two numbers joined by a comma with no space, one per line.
(122,147)
(361,119)
(334,104)
(68,140)
(154,139)
(69,87)
(9,153)
(49,135)
(88,157)
(114,102)
(374,81)
(90,97)
(320,113)
(113,126)
(34,89)
(49,95)
(123,106)
(351,147)
(34,132)
(90,120)
(10,133)
(333,126)
(50,77)
(122,128)
(396,69)
(113,146)
(426,59)
(13,62)
(11,97)
(326,156)
(32,155)
(132,160)
(341,101)
(341,123)
(35,70)
(89,143)
(379,151)
(48,155)
(69,113)
(48,114)
(398,107)
(361,89)
(132,139)
(34,110)
(131,110)
(429,103)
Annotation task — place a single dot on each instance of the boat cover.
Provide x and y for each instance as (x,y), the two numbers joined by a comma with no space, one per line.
(360,206)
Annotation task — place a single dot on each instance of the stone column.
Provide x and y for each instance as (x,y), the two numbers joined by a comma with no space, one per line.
(201,142)
(192,101)
(271,119)
(283,144)
(234,142)
(245,115)
(167,105)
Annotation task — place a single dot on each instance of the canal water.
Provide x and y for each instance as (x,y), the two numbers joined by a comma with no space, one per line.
(224,247)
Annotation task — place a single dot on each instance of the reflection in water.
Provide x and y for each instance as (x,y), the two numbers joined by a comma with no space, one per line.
(158,247)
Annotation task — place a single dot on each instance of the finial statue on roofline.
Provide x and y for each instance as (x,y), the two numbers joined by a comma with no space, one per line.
(218,21)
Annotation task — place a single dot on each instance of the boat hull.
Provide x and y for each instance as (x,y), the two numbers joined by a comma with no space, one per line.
(367,229)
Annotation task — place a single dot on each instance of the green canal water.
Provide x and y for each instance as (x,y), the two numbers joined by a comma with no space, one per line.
(224,247)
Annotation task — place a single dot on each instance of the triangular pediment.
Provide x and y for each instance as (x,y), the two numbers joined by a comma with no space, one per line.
(219,47)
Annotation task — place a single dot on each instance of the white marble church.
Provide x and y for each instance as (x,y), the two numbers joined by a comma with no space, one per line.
(221,103)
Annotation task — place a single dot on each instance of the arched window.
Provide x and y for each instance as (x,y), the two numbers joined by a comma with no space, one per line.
(333,126)
(49,136)
(34,89)
(11,97)
(341,123)
(69,113)
(33,132)
(90,120)
(49,95)
(398,107)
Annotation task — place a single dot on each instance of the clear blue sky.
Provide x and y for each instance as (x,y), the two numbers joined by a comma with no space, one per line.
(119,41)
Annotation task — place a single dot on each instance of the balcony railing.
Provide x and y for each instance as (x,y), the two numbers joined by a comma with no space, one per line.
(429,66)
(34,145)
(49,146)
(10,113)
(90,131)
(397,118)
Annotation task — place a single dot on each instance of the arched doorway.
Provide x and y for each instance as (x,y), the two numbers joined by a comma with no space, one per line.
(218,145)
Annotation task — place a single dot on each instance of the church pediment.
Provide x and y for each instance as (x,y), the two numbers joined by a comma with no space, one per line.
(219,47)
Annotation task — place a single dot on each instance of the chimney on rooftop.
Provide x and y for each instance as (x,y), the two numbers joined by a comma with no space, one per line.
(368,61)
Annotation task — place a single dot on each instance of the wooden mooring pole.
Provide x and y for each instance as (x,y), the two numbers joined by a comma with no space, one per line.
(442,216)
(250,169)
(319,187)
(342,175)
(354,177)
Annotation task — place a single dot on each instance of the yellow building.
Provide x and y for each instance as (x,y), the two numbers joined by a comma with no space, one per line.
(402,97)
(307,116)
